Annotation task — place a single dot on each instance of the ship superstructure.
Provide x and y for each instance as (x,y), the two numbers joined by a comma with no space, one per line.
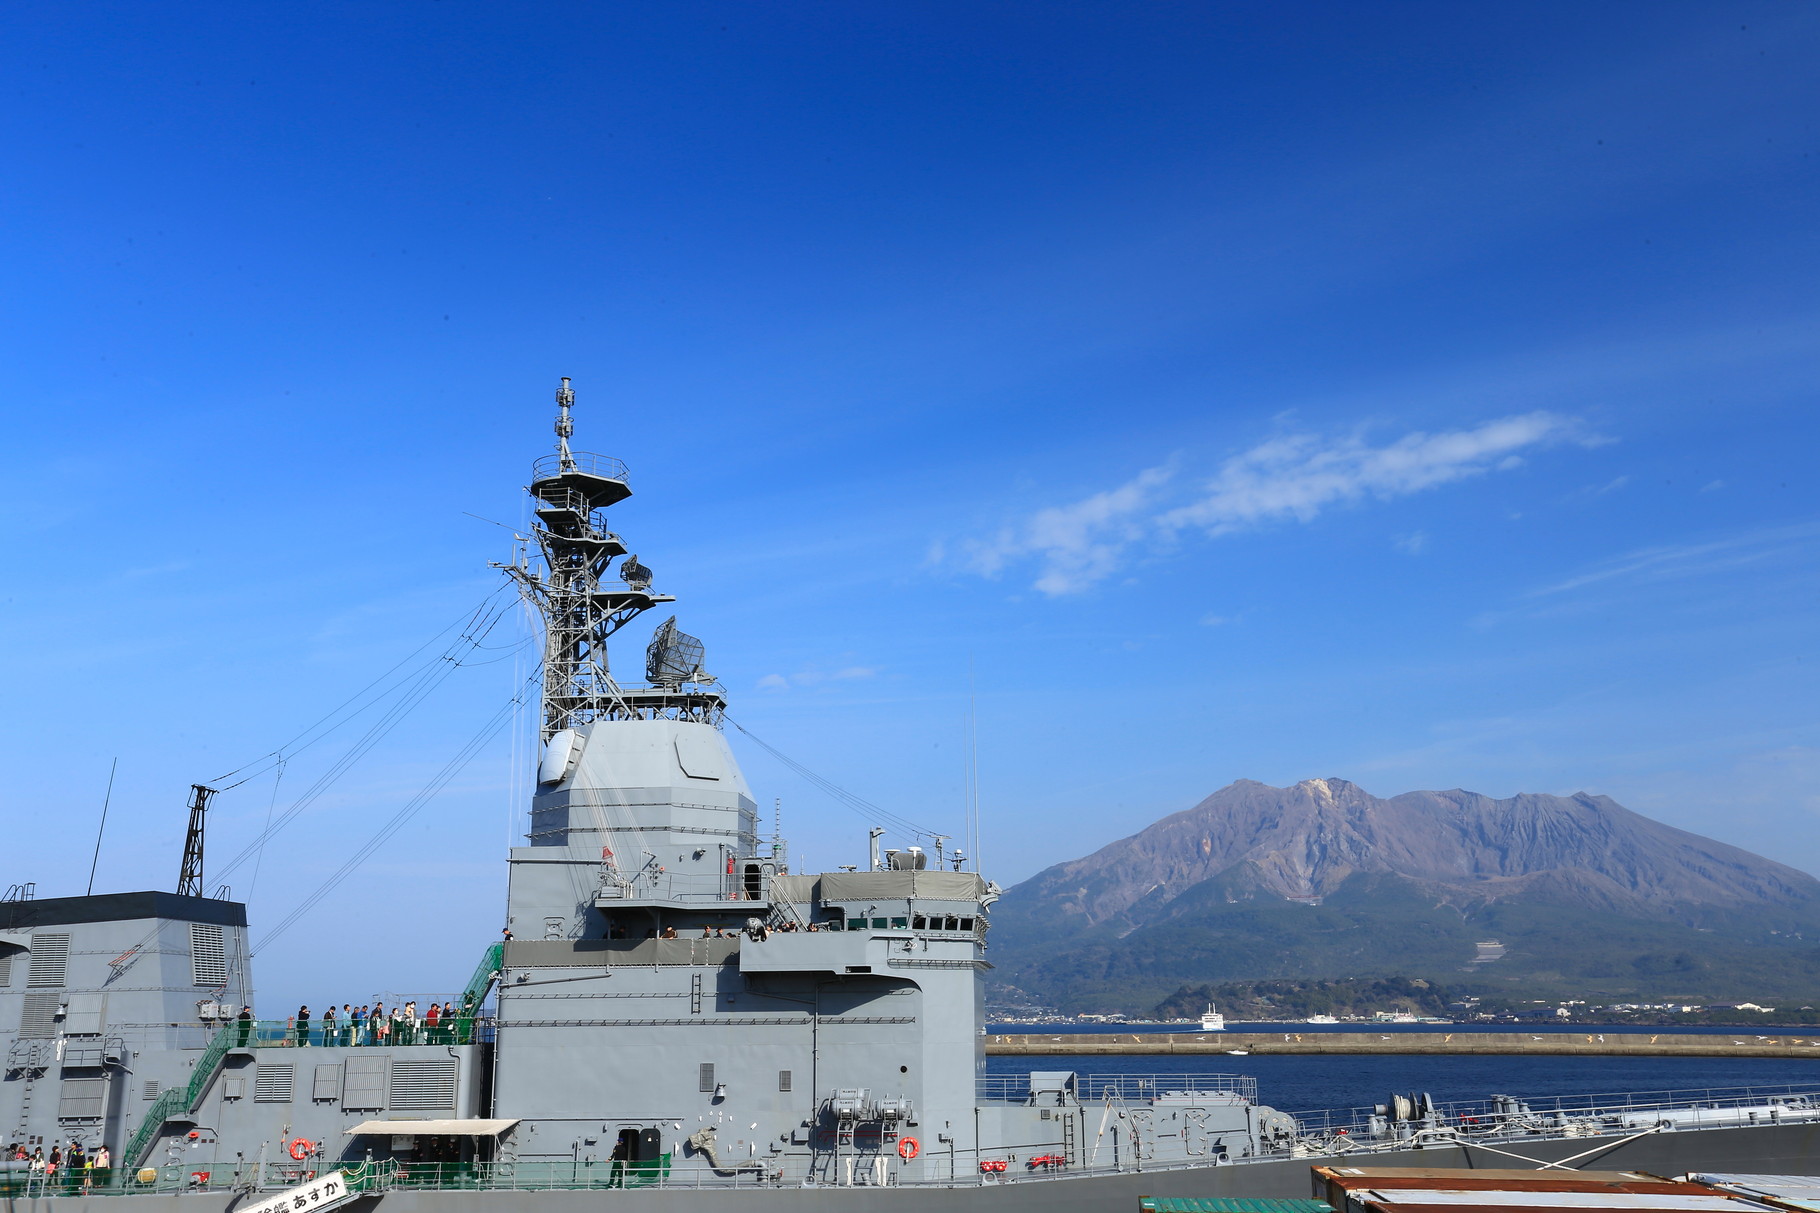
(758,1021)
(674,1010)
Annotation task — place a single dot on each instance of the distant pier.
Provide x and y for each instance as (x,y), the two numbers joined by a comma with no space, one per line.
(1591,1043)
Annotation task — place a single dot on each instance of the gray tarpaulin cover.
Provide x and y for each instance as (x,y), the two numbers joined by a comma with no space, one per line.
(939,886)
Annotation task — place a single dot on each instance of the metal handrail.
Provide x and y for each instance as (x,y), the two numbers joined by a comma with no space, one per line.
(485,974)
(1523,1115)
(357,1033)
(1096,1088)
(1034,1161)
(586,462)
(163,1108)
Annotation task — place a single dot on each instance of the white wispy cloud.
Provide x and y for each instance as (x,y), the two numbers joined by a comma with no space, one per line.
(1291,478)
(1080,543)
(1684,560)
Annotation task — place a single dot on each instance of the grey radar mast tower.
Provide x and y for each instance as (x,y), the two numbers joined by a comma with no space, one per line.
(581,605)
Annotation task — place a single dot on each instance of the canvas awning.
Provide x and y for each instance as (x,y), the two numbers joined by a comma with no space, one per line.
(431,1128)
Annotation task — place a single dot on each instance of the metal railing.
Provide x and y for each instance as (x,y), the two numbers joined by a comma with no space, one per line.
(179,1100)
(284,1034)
(1127,1088)
(1508,1116)
(1479,1122)
(355,1034)
(485,974)
(586,462)
(726,888)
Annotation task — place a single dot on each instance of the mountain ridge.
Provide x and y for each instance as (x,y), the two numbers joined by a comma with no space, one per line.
(1434,866)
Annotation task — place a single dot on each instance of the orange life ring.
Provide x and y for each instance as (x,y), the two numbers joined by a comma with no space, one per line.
(909,1148)
(302,1148)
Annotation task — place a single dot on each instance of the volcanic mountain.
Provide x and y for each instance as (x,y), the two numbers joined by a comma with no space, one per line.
(1324,880)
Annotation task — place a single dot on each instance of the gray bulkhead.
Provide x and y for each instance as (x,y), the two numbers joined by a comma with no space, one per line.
(105,1002)
(811,1046)
(109,1002)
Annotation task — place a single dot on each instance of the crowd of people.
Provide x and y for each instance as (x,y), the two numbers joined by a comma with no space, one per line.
(371,1024)
(75,1168)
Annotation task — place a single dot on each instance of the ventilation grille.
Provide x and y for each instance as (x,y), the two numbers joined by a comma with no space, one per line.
(705,1081)
(153,1088)
(82,1099)
(208,955)
(39,1017)
(273,1082)
(50,960)
(84,1015)
(6,970)
(328,1083)
(783,1080)
(363,1083)
(423,1085)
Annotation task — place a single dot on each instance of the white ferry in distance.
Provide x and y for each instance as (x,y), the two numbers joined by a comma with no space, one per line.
(1213,1021)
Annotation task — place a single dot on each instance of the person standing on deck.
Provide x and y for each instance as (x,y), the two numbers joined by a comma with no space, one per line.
(303,1027)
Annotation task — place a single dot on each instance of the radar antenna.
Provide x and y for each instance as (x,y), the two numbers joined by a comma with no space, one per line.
(581,605)
(636,575)
(674,657)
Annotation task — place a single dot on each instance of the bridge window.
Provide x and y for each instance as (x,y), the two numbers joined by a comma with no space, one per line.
(856,924)
(899,924)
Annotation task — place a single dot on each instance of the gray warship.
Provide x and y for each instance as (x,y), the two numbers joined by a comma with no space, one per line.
(677,1020)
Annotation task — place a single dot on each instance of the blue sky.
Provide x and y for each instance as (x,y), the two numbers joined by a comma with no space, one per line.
(1417,394)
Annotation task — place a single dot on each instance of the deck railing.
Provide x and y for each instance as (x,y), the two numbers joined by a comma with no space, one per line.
(875,1162)
(1126,1088)
(1509,1116)
(586,462)
(359,1033)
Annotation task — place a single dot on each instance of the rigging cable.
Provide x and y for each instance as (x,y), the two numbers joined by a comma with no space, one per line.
(414,692)
(271,804)
(296,745)
(858,804)
(440,780)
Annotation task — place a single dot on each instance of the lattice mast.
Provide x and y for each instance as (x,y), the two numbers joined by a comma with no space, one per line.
(581,605)
(189,877)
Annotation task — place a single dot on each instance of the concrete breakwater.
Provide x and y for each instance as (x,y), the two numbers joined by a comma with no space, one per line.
(1590,1044)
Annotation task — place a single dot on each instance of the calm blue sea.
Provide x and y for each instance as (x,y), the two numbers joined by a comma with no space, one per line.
(1297,1084)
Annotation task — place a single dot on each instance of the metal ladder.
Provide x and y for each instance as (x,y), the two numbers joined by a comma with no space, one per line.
(1071,1145)
(30,1057)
